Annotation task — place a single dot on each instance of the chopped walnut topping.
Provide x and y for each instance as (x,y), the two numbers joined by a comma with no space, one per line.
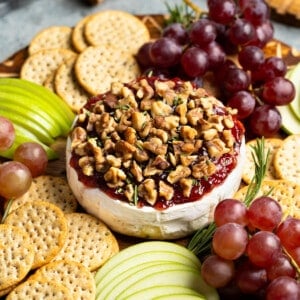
(165,190)
(150,135)
(147,190)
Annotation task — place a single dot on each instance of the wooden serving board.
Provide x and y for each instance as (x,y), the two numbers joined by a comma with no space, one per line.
(11,68)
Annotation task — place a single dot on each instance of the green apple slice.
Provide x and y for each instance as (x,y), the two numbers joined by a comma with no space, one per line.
(186,277)
(294,76)
(122,281)
(180,297)
(129,266)
(290,123)
(164,290)
(142,248)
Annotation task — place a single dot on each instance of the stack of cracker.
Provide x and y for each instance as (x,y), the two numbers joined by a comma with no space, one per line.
(282,179)
(49,250)
(83,61)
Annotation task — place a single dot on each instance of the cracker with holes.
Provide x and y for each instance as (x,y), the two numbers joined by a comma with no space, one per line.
(51,38)
(78,38)
(271,145)
(287,159)
(97,67)
(73,275)
(89,241)
(16,256)
(116,28)
(287,193)
(51,189)
(46,225)
(42,64)
(68,88)
(40,289)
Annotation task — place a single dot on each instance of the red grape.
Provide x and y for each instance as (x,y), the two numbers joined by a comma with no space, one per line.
(295,254)
(244,102)
(221,11)
(230,241)
(278,91)
(216,271)
(230,211)
(143,55)
(251,57)
(289,233)
(273,67)
(194,61)
(215,54)
(263,34)
(15,179)
(165,52)
(281,266)
(264,213)
(236,80)
(177,32)
(283,288)
(265,120)
(262,248)
(203,32)
(33,156)
(241,32)
(250,279)
(256,11)
(7,133)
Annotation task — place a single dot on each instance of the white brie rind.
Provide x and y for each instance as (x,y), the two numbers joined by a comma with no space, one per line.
(174,222)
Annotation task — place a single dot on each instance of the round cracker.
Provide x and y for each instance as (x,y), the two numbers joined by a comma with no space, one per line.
(287,193)
(287,159)
(68,88)
(46,225)
(40,289)
(52,189)
(73,275)
(89,241)
(97,67)
(42,64)
(271,145)
(117,28)
(51,37)
(16,255)
(78,38)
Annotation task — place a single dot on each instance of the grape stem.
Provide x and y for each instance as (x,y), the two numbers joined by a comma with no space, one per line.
(200,243)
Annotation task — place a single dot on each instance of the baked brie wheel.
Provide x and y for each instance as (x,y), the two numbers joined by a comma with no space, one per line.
(153,157)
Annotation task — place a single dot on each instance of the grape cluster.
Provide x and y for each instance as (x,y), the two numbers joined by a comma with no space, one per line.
(252,83)
(30,160)
(252,251)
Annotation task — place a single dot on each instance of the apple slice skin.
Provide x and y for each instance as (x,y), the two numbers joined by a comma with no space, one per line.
(290,123)
(180,297)
(140,262)
(122,283)
(141,248)
(165,290)
(185,277)
(294,76)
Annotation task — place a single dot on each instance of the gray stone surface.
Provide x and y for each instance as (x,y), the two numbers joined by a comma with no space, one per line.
(27,17)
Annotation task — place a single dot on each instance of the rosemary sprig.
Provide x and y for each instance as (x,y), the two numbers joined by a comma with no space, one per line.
(180,14)
(200,243)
